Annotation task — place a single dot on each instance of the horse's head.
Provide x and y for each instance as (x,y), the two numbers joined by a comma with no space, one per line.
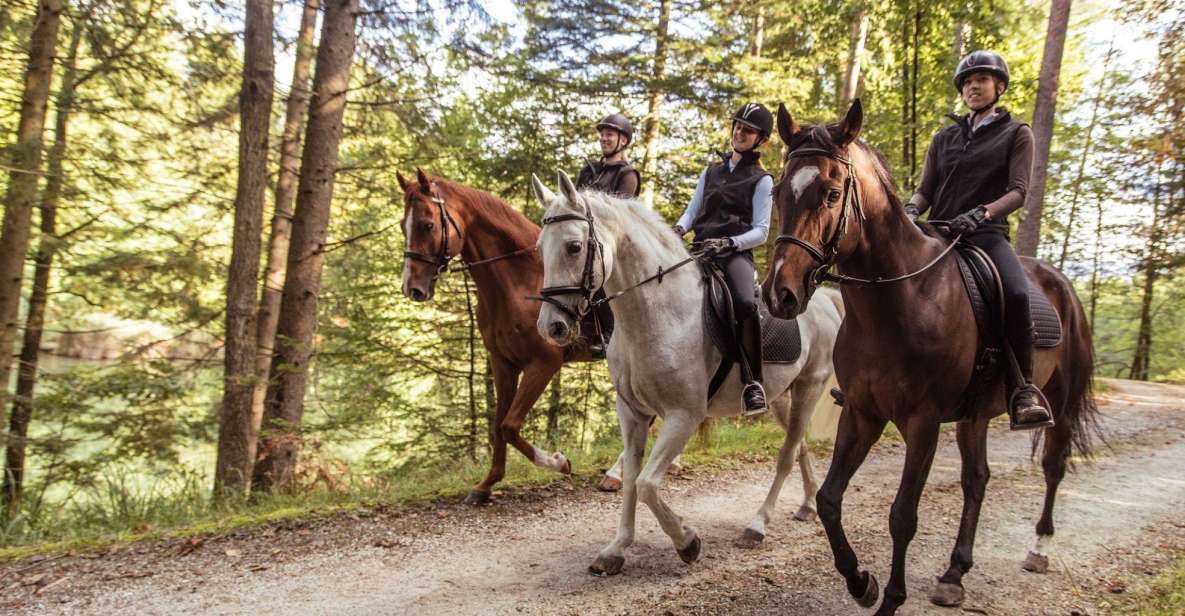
(432,235)
(575,261)
(816,197)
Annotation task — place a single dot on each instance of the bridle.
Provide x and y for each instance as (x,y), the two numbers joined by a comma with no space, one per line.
(587,287)
(826,256)
(442,259)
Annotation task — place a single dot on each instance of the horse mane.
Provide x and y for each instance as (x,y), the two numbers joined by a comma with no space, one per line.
(607,206)
(495,212)
(823,136)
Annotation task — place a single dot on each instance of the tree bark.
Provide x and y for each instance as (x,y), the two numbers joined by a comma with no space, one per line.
(757,35)
(859,35)
(233,466)
(1028,234)
(1097,258)
(26,380)
(1151,267)
(555,404)
(24,160)
(905,92)
(277,243)
(1076,190)
(652,127)
(284,405)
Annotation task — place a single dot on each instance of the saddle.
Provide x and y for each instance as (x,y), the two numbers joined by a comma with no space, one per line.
(984,289)
(781,340)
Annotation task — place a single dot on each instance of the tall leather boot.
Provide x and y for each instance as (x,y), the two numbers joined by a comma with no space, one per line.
(750,343)
(1026,410)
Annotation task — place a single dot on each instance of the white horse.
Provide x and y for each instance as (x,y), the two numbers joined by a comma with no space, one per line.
(660,359)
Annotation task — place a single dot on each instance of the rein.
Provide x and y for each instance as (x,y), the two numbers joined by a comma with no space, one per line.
(442,259)
(826,257)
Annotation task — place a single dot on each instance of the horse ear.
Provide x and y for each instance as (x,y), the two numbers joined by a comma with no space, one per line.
(403,182)
(542,194)
(567,188)
(851,124)
(422,177)
(787,127)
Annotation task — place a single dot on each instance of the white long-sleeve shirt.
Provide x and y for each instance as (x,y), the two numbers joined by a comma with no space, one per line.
(762,204)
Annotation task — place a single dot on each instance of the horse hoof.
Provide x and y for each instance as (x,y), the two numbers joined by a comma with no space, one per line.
(609,484)
(477,498)
(806,514)
(947,595)
(749,539)
(690,553)
(605,566)
(1036,563)
(872,592)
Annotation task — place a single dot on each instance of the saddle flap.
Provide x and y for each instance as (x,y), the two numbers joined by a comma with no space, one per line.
(980,281)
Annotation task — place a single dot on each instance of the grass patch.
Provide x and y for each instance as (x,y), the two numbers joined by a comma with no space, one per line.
(123,509)
(1166,595)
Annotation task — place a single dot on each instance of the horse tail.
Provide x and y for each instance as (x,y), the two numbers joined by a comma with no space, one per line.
(1081,409)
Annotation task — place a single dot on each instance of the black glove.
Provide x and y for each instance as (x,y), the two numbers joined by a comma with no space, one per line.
(718,246)
(911,210)
(680,231)
(968,221)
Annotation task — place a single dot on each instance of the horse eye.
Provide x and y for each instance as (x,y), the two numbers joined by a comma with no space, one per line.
(428,226)
(574,247)
(833,196)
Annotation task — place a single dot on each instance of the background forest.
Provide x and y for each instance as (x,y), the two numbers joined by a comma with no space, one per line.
(140,217)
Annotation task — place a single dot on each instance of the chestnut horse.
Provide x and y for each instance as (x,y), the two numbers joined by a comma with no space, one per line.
(907,350)
(444,220)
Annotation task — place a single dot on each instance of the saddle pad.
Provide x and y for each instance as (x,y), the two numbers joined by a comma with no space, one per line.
(979,279)
(781,339)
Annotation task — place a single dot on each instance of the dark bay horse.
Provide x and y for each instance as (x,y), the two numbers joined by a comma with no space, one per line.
(907,349)
(444,220)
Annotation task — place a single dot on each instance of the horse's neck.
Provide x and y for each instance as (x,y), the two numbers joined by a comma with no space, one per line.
(649,309)
(486,238)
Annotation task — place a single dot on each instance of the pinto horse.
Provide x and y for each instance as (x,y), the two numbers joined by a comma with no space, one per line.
(907,350)
(444,220)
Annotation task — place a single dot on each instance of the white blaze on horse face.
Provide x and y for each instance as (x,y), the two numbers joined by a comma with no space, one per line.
(803,178)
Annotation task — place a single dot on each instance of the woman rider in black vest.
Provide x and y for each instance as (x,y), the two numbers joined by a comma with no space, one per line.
(729,214)
(614,175)
(976,173)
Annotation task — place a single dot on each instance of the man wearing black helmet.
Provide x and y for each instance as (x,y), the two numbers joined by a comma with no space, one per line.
(729,214)
(613,173)
(976,173)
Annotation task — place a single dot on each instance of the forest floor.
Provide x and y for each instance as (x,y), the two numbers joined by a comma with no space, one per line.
(1118,517)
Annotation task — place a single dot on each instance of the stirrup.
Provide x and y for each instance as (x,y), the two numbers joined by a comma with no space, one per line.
(1043,403)
(749,412)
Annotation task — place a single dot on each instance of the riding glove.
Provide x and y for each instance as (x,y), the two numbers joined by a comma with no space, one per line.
(911,210)
(718,246)
(680,231)
(968,221)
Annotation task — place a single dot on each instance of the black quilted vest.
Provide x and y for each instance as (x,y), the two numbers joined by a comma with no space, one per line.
(606,177)
(727,208)
(972,168)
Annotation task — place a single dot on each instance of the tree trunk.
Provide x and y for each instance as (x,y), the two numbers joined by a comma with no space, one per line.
(24,160)
(1098,258)
(233,466)
(1151,267)
(859,35)
(284,405)
(757,36)
(491,403)
(1028,234)
(26,380)
(555,403)
(1076,190)
(905,91)
(652,127)
(960,36)
(277,244)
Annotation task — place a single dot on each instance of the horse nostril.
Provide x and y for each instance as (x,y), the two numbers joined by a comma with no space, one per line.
(557,329)
(787,301)
(418,294)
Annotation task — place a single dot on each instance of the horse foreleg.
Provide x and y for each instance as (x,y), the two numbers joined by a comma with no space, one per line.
(921,440)
(505,384)
(857,432)
(972,437)
(672,438)
(611,482)
(755,533)
(633,436)
(805,396)
(810,486)
(536,376)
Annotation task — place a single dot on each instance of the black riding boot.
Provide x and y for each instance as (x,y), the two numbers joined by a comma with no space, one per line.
(1026,408)
(754,393)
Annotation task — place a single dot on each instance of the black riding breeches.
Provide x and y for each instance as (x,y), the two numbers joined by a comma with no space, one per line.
(738,275)
(1018,323)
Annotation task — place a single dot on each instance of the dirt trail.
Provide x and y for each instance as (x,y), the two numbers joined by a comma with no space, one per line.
(527,553)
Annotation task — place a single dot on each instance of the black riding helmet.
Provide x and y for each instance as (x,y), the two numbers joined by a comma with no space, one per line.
(981,60)
(619,123)
(755,116)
